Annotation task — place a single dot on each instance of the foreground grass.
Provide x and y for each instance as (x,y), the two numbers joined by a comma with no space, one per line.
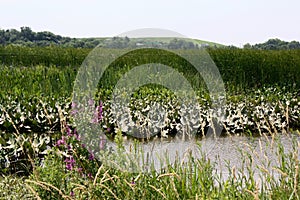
(12,187)
(196,178)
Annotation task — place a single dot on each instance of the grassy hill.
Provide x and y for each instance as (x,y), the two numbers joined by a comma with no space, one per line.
(27,37)
(168,42)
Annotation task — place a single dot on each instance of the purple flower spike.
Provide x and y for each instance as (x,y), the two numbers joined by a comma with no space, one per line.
(70,162)
(69,167)
(94,121)
(75,131)
(132,181)
(73,105)
(91,156)
(74,112)
(98,114)
(77,137)
(91,102)
(61,141)
(102,143)
(68,130)
(79,170)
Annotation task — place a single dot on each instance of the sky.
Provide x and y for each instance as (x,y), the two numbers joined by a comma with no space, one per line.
(229,22)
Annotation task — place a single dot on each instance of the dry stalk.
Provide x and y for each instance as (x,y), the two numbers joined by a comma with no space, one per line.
(41,183)
(157,190)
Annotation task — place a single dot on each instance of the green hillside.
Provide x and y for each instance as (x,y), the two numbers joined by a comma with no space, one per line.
(29,38)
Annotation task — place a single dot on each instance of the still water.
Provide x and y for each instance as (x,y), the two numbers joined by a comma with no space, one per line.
(228,154)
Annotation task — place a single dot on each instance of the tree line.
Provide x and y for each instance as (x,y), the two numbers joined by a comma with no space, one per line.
(274,44)
(29,38)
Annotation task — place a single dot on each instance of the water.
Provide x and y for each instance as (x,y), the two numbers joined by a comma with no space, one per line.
(260,153)
(227,153)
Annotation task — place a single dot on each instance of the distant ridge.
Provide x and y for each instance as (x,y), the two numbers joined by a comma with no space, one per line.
(147,36)
(27,37)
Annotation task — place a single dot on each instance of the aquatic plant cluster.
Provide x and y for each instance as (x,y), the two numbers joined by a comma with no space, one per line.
(32,114)
(260,111)
(269,110)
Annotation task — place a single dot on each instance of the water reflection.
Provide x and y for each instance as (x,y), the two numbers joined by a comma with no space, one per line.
(226,153)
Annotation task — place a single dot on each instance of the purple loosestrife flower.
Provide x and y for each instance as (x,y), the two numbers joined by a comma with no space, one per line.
(91,156)
(79,170)
(102,143)
(98,113)
(91,102)
(70,163)
(62,141)
(68,130)
(132,181)
(74,110)
(94,121)
(69,166)
(75,131)
(76,135)
(73,105)
(72,194)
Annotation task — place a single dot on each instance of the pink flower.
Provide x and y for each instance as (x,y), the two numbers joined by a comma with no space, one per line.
(79,170)
(73,105)
(68,130)
(132,181)
(61,141)
(74,112)
(70,163)
(91,102)
(102,143)
(98,114)
(76,135)
(69,166)
(91,156)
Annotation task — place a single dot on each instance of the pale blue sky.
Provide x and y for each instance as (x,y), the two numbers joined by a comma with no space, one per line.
(225,21)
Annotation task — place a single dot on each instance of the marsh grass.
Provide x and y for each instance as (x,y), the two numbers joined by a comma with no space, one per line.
(52,70)
(14,188)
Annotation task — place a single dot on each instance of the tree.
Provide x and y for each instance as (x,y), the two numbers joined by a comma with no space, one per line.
(247,46)
(294,45)
(27,34)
